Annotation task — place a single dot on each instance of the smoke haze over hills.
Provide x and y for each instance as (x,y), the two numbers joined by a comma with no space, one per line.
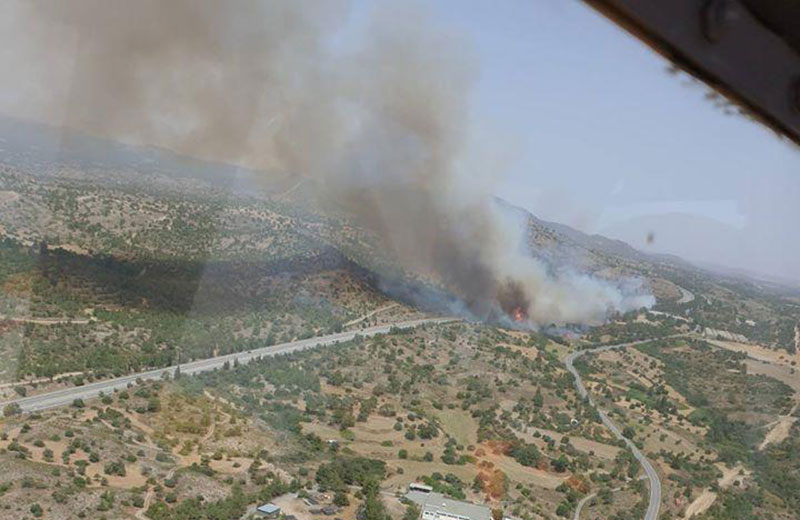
(380,128)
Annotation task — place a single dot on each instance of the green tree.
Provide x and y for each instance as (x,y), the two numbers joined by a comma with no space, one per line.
(340,499)
(538,400)
(560,464)
(606,495)
(11,409)
(412,512)
(372,508)
(525,454)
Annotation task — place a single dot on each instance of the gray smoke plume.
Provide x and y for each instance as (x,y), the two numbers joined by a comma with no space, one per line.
(377,120)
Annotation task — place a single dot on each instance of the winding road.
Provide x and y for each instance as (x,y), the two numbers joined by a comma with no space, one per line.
(686,296)
(66,396)
(650,471)
(585,500)
(582,503)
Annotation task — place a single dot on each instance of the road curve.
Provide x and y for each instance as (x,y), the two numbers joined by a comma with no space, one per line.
(582,503)
(66,396)
(590,496)
(686,296)
(650,472)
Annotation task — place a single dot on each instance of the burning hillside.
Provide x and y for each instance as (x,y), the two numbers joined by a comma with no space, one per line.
(514,302)
(382,129)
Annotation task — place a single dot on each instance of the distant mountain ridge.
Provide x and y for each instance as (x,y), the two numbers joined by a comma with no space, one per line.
(70,146)
(172,207)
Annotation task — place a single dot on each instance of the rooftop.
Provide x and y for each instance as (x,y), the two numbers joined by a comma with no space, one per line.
(268,509)
(438,503)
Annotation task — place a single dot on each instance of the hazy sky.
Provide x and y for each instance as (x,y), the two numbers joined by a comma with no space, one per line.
(604,139)
(584,126)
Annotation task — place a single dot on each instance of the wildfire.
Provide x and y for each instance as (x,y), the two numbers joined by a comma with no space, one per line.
(513,301)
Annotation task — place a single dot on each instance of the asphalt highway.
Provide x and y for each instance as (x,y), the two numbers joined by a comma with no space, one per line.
(650,472)
(66,396)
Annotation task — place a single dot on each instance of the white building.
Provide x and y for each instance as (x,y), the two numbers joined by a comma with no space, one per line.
(436,506)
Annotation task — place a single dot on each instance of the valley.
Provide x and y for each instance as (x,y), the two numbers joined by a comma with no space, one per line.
(173,347)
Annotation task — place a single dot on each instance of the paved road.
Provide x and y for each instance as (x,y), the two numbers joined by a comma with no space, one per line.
(650,472)
(68,395)
(686,296)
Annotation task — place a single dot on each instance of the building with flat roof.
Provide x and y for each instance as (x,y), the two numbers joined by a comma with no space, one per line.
(436,506)
(268,511)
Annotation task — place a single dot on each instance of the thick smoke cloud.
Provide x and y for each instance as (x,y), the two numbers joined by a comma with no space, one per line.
(377,121)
